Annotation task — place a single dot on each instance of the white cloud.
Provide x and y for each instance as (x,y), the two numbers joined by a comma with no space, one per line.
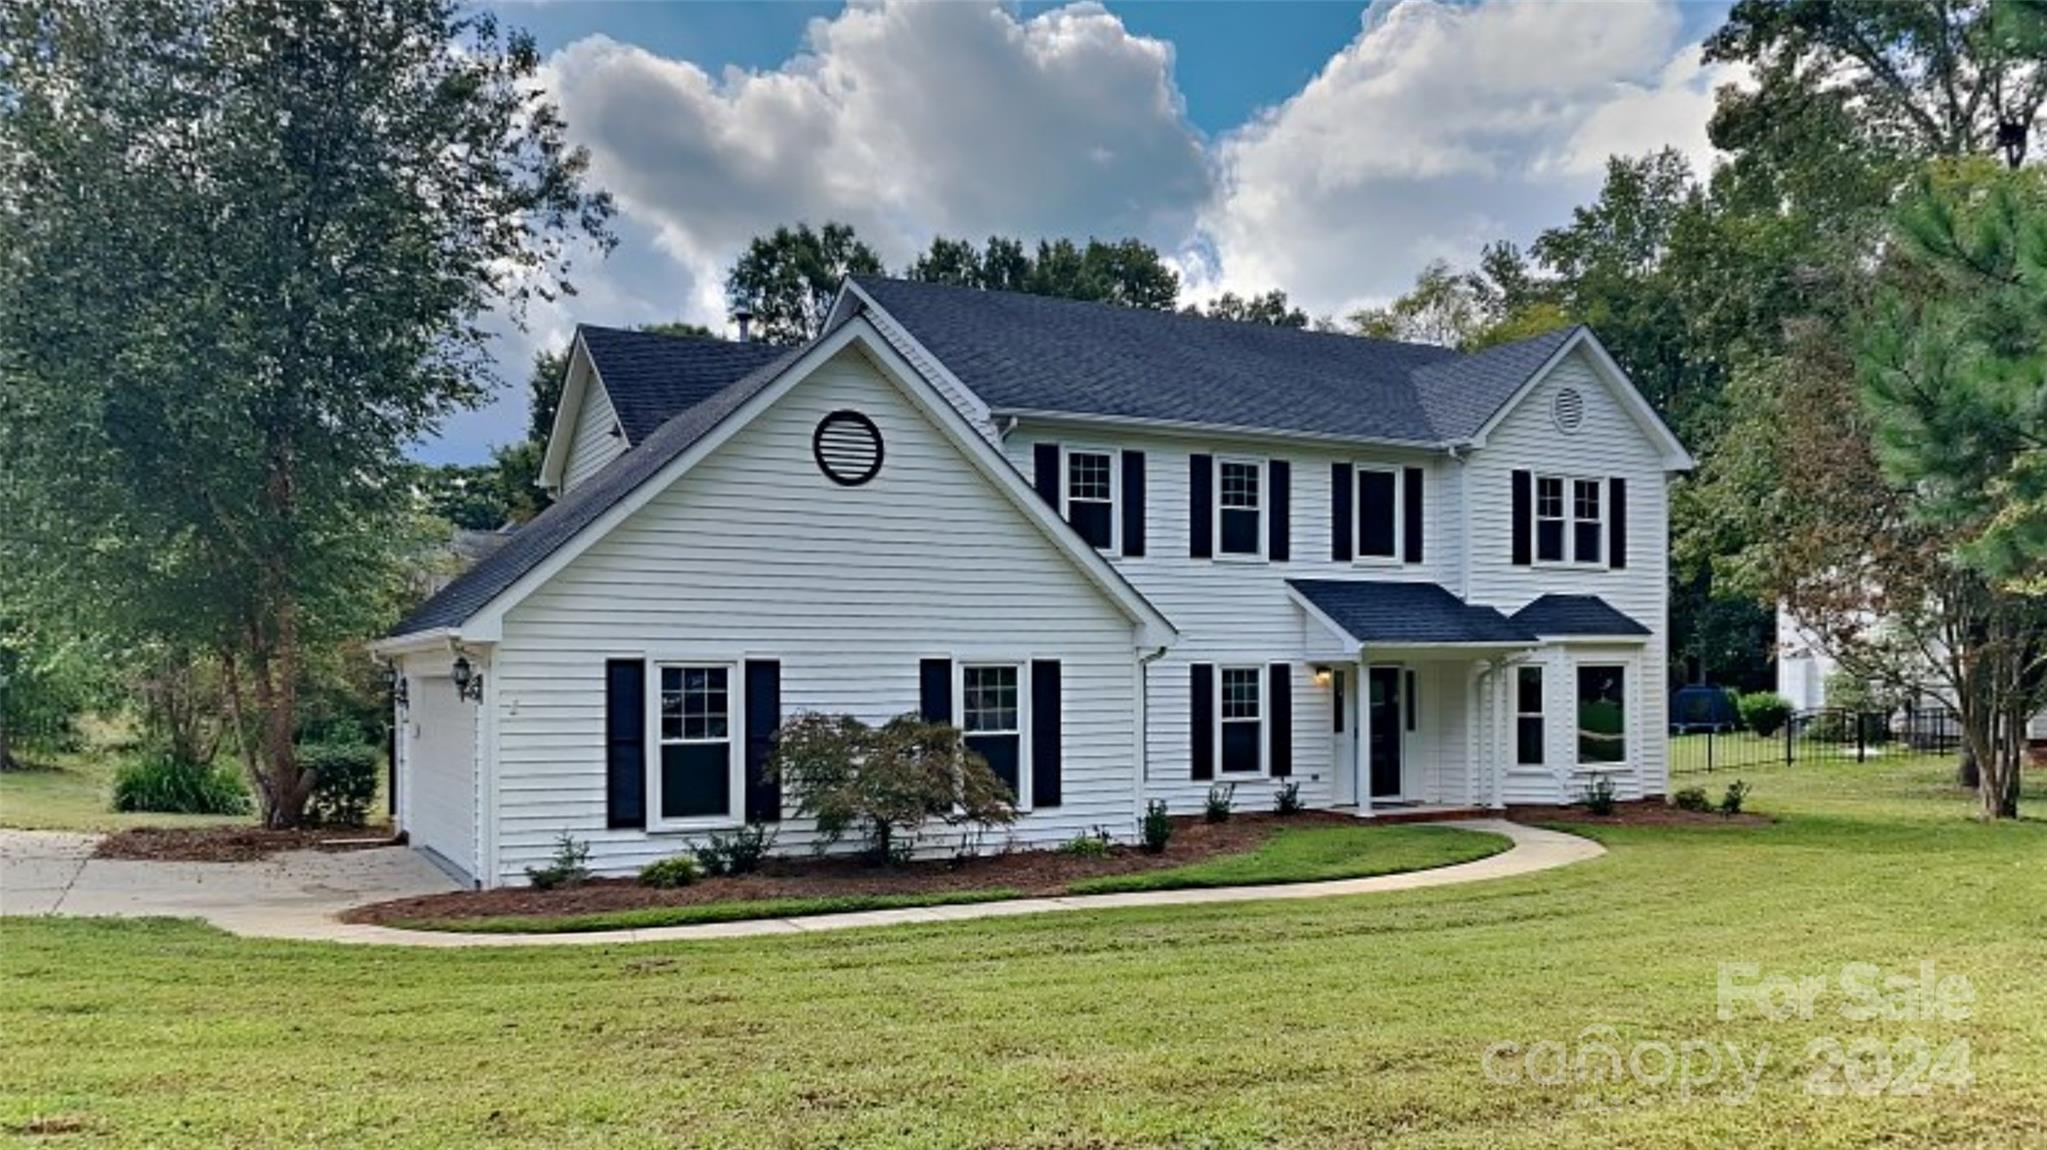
(1442,126)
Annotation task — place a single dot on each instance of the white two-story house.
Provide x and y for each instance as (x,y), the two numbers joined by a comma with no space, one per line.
(1132,555)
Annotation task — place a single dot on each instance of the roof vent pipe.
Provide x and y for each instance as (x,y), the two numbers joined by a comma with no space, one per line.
(743,316)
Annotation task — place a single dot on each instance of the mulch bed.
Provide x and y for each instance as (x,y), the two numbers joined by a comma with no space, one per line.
(1032,872)
(1636,813)
(229,844)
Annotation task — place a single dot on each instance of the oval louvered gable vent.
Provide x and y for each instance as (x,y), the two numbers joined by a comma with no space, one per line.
(1568,410)
(847,447)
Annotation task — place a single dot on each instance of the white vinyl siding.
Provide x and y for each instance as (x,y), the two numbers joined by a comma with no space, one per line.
(593,443)
(754,554)
(1528,439)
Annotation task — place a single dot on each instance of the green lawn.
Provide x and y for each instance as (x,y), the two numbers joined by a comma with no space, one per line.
(738,910)
(69,792)
(1313,854)
(1331,1022)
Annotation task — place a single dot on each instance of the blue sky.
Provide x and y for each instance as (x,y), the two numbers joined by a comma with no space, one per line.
(1329,149)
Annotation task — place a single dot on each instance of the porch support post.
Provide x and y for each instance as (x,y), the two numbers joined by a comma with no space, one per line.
(1363,759)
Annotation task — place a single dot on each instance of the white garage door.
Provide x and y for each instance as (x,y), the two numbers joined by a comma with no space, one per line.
(440,766)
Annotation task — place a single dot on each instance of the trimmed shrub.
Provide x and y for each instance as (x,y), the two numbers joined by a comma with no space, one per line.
(344,782)
(159,782)
(740,852)
(886,784)
(1730,803)
(1156,828)
(1692,799)
(1222,799)
(1093,844)
(1287,800)
(569,867)
(1600,798)
(1764,712)
(669,873)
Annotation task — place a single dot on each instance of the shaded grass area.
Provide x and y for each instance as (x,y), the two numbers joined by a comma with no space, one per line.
(644,917)
(70,791)
(1337,1022)
(1316,855)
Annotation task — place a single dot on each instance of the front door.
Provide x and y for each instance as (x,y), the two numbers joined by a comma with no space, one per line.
(1387,728)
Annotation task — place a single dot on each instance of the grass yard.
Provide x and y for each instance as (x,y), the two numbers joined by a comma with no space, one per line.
(1326,1023)
(69,792)
(1314,856)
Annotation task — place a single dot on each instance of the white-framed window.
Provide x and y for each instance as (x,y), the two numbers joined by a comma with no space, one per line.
(1240,507)
(1240,712)
(1530,732)
(697,772)
(1570,520)
(992,718)
(1602,714)
(1091,490)
(1379,525)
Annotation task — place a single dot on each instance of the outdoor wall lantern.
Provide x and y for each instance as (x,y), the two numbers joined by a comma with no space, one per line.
(401,695)
(1322,675)
(468,684)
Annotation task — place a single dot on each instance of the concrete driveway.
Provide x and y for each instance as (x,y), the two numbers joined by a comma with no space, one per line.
(295,893)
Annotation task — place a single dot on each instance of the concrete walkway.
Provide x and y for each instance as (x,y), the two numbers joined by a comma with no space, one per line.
(296,894)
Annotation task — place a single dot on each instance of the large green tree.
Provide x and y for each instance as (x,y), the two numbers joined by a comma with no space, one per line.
(245,246)
(789,278)
(1126,272)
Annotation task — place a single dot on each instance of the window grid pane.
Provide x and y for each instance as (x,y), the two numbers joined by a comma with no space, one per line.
(695,704)
(988,700)
(1549,498)
(1087,477)
(1240,485)
(1585,499)
(1240,694)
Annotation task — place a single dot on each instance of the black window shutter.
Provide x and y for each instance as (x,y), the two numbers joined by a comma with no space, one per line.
(1407,697)
(763,718)
(1341,488)
(1279,517)
(1617,522)
(1133,503)
(1411,513)
(934,690)
(1524,512)
(1045,733)
(1200,506)
(1336,699)
(625,743)
(1280,699)
(1202,707)
(1045,460)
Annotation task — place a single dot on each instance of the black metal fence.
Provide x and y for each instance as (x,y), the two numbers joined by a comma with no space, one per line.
(1829,735)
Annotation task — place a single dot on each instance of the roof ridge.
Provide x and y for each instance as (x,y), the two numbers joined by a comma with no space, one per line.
(1174,313)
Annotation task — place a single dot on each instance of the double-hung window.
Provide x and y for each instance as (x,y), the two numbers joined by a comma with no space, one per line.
(991,719)
(1570,520)
(1240,511)
(1529,732)
(1378,513)
(1602,715)
(1091,496)
(697,754)
(1242,720)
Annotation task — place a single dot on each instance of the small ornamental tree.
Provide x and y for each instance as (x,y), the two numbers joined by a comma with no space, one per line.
(885,784)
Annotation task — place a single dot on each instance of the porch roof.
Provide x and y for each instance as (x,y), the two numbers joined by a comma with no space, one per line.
(1406,614)
(1578,615)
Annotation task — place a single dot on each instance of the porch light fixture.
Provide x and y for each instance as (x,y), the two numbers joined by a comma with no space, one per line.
(401,696)
(468,684)
(1322,675)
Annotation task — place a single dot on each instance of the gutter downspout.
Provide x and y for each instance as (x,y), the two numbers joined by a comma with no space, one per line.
(1141,772)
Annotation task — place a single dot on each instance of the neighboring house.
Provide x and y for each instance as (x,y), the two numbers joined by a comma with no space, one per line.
(1131,554)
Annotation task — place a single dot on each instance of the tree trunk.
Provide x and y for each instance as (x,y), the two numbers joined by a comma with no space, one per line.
(1966,774)
(7,762)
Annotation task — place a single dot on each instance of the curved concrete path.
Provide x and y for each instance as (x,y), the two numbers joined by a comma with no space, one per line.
(296,895)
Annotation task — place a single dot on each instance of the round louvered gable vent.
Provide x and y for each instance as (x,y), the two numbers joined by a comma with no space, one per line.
(847,447)
(1568,409)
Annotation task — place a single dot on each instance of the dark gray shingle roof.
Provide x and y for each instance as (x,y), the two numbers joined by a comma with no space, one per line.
(1034,353)
(1576,615)
(529,545)
(1375,611)
(653,378)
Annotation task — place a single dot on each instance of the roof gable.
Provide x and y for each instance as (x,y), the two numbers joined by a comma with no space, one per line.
(1393,613)
(475,602)
(1577,616)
